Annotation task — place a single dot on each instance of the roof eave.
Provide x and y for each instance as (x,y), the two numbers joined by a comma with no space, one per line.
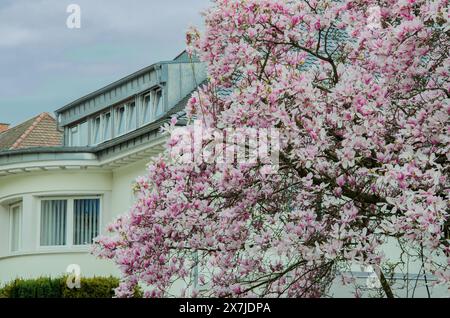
(108,87)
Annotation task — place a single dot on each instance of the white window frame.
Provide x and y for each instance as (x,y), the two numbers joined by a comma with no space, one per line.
(100,130)
(84,124)
(72,131)
(126,115)
(78,132)
(116,120)
(128,110)
(143,122)
(11,211)
(130,124)
(153,106)
(111,127)
(155,103)
(70,222)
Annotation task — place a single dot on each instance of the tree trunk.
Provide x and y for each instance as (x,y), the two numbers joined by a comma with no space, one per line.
(384,283)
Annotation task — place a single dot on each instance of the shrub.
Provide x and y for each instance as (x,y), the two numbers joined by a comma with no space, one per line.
(96,287)
(46,287)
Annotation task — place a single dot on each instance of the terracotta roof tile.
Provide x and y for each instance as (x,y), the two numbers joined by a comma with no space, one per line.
(40,131)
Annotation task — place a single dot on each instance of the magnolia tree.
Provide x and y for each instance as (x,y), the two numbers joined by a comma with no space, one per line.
(358,93)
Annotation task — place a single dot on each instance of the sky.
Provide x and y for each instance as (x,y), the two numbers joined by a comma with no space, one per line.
(44,65)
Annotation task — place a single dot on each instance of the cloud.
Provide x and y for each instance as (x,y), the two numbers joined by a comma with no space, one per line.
(10,37)
(116,38)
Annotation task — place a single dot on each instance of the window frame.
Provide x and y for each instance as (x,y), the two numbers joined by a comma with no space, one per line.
(19,238)
(81,125)
(143,121)
(156,103)
(39,230)
(99,224)
(117,133)
(104,127)
(131,121)
(70,220)
(131,104)
(131,117)
(74,130)
(100,130)
(77,131)
(153,105)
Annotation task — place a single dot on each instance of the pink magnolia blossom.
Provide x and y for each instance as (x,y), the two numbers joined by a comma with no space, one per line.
(363,117)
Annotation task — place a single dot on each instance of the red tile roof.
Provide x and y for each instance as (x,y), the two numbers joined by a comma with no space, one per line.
(40,131)
(3,127)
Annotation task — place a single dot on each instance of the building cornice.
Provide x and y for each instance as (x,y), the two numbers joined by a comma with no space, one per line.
(15,162)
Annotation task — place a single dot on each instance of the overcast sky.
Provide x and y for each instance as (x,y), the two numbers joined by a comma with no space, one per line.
(45,65)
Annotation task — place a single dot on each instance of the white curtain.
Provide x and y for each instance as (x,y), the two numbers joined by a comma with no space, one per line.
(53,222)
(15,228)
(85,220)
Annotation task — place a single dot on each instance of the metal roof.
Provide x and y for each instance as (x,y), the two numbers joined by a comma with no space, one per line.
(64,152)
(179,59)
(107,88)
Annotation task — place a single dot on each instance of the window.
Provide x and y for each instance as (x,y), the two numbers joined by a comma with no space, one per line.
(116,120)
(69,222)
(86,220)
(84,134)
(158,103)
(152,106)
(79,135)
(126,119)
(53,222)
(146,110)
(120,120)
(96,130)
(131,116)
(74,136)
(16,227)
(107,126)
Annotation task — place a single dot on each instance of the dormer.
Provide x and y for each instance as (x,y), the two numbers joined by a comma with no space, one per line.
(129,103)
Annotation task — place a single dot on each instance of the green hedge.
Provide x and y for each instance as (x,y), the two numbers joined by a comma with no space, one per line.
(45,287)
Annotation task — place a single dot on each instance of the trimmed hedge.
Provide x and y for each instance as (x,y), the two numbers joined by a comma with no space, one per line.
(46,287)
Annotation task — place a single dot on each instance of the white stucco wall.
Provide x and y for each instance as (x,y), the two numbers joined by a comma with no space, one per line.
(54,264)
(122,181)
(114,187)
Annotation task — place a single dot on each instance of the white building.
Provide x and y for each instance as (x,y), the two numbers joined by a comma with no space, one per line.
(62,181)
(55,197)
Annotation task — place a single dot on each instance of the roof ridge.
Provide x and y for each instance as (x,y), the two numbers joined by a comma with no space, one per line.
(27,132)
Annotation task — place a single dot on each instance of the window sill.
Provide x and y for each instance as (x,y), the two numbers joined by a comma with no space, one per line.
(49,251)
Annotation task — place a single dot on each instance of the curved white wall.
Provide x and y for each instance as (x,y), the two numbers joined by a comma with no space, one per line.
(58,181)
(27,188)
(53,264)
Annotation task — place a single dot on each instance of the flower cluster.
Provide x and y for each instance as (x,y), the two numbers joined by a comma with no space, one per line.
(363,115)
